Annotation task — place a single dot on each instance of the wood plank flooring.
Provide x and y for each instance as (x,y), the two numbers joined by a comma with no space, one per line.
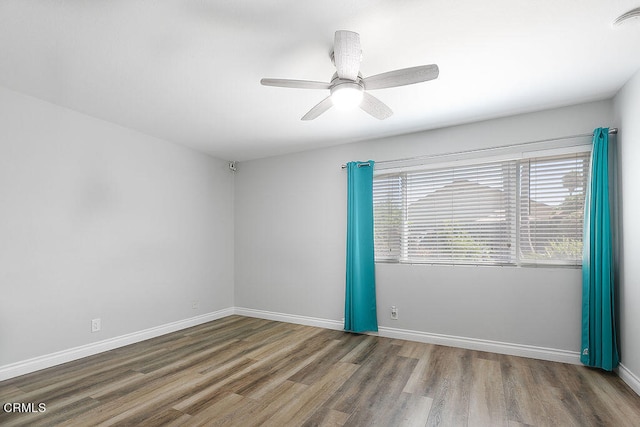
(241,371)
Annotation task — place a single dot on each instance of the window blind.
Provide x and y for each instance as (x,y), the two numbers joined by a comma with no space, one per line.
(524,211)
(388,216)
(552,197)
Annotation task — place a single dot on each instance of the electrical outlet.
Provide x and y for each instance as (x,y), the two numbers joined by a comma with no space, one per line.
(96,325)
(194,305)
(394,312)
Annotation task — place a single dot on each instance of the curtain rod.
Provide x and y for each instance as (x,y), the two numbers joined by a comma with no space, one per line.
(612,131)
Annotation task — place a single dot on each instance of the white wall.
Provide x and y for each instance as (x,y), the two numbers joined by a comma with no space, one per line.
(290,215)
(97,221)
(627,111)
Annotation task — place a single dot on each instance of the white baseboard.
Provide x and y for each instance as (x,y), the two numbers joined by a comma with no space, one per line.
(290,318)
(57,358)
(532,352)
(629,378)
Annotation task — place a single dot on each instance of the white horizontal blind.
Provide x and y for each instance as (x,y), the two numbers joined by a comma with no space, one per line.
(460,215)
(480,213)
(387,216)
(552,200)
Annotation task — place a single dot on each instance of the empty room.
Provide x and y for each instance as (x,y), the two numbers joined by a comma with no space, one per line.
(319,213)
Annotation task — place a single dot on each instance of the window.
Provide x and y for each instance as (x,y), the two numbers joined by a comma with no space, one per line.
(552,196)
(512,212)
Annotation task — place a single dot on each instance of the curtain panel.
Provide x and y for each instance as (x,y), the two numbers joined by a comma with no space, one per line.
(360,290)
(599,337)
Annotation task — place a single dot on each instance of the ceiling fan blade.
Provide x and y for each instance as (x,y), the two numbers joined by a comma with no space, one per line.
(375,107)
(320,108)
(405,76)
(347,54)
(296,84)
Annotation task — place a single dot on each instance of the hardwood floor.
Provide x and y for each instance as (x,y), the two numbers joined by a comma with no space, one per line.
(243,371)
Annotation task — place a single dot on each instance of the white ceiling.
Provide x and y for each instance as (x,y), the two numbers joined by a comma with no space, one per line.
(188,71)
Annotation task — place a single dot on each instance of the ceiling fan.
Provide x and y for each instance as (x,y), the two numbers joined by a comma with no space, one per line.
(348,89)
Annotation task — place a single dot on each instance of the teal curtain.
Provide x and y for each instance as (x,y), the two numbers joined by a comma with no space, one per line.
(599,346)
(360,296)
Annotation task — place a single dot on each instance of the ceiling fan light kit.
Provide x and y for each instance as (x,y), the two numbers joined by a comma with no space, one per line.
(346,96)
(348,89)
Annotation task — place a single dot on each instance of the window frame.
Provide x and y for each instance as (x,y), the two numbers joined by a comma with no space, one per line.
(471,160)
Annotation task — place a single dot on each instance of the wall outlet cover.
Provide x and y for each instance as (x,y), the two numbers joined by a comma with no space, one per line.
(96,325)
